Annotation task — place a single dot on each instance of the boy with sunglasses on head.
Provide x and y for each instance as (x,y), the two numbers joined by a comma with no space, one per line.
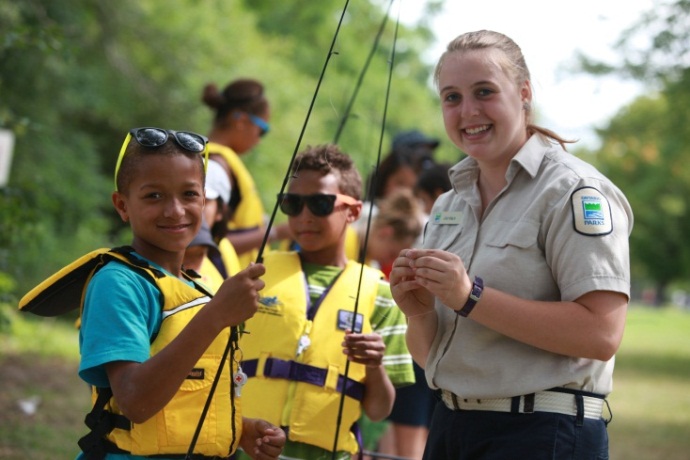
(327,329)
(151,337)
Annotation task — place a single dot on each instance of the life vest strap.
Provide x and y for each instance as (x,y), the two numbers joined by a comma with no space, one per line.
(300,372)
(101,422)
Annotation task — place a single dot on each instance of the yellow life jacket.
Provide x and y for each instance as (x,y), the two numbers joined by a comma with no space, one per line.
(229,256)
(351,243)
(310,383)
(210,273)
(210,276)
(249,214)
(171,430)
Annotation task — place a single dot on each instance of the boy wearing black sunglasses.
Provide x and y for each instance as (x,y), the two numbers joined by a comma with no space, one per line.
(327,329)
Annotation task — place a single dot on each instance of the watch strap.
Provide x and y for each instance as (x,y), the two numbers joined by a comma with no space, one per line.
(475,295)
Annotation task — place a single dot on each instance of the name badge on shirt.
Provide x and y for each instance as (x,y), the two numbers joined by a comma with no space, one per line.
(447,218)
(591,212)
(345,321)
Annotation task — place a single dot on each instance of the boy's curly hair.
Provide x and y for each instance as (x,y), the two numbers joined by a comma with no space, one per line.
(326,159)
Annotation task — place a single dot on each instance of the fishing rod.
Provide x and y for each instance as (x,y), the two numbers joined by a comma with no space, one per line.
(366,237)
(360,79)
(259,258)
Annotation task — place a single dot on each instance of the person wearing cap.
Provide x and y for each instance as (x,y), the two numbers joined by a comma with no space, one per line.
(408,423)
(417,147)
(414,138)
(196,258)
(211,253)
(217,212)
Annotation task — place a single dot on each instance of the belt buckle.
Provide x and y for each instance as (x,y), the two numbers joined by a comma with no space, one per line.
(528,403)
(450,400)
(454,400)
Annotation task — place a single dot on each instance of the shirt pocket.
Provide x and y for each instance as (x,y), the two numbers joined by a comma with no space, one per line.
(514,251)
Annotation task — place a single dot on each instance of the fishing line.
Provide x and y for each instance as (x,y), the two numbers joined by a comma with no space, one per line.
(259,257)
(366,237)
(360,79)
(268,229)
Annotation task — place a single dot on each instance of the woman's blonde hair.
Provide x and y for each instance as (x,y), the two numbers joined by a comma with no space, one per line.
(512,62)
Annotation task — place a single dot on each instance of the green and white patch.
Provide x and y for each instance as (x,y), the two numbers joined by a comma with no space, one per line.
(591,212)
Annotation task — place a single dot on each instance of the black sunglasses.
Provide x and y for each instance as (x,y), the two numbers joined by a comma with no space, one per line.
(155,137)
(320,204)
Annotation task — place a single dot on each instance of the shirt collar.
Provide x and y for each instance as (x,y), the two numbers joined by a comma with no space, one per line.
(528,158)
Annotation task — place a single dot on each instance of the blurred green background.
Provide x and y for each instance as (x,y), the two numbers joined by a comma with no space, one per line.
(75,75)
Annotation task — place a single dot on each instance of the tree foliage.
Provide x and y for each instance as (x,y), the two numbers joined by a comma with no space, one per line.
(646,146)
(75,75)
(655,49)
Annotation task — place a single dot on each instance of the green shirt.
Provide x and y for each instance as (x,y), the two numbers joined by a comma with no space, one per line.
(387,320)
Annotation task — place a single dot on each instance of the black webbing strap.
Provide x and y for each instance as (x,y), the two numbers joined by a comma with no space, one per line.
(126,251)
(101,422)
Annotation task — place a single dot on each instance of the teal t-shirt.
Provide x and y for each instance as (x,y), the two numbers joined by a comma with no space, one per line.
(122,312)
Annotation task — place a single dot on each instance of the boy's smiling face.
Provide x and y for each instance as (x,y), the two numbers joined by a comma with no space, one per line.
(163,205)
(321,239)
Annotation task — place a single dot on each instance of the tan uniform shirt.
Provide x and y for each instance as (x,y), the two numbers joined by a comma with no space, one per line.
(558,230)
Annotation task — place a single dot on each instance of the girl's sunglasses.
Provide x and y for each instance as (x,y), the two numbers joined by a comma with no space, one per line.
(155,137)
(260,123)
(321,205)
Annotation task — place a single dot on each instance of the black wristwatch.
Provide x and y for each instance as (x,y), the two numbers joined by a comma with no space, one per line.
(475,294)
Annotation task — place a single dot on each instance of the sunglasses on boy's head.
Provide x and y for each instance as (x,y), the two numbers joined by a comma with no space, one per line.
(321,205)
(155,137)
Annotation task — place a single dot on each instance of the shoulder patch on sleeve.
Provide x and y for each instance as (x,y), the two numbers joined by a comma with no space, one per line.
(591,212)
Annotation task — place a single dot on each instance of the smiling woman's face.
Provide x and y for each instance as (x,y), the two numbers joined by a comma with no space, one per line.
(483,108)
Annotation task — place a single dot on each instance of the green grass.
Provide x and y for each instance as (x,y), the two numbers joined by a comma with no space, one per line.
(38,359)
(49,337)
(650,400)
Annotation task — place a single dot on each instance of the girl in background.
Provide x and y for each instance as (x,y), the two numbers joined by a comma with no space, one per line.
(242,115)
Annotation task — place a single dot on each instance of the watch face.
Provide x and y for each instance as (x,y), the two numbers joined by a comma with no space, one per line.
(477,288)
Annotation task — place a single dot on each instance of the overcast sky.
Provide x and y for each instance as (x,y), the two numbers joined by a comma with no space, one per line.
(549,33)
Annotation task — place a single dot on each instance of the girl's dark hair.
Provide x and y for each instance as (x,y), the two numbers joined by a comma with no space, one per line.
(244,94)
(434,178)
(395,160)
